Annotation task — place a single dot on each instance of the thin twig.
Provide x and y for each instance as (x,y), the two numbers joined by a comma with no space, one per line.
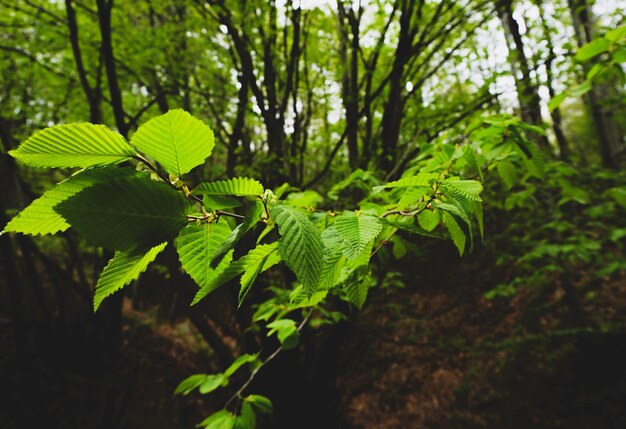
(265,362)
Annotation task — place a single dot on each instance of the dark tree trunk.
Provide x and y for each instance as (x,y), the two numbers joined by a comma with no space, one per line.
(564,150)
(92,94)
(527,91)
(394,106)
(349,29)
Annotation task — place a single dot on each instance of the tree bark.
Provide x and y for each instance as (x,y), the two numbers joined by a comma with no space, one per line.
(527,91)
(564,150)
(610,136)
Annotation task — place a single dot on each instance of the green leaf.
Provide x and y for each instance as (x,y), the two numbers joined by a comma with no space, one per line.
(74,145)
(619,57)
(176,140)
(411,197)
(429,219)
(334,260)
(507,173)
(422,179)
(469,189)
(617,34)
(196,246)
(223,419)
(252,217)
(304,199)
(40,218)
(300,246)
(619,195)
(123,268)
(252,259)
(595,70)
(593,48)
(357,230)
(126,213)
(239,362)
(287,332)
(254,265)
(411,227)
(357,285)
(261,403)
(212,382)
(457,235)
(580,90)
(247,419)
(238,186)
(220,202)
(557,100)
(190,383)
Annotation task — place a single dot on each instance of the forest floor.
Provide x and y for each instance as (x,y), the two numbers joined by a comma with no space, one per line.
(434,354)
(438,354)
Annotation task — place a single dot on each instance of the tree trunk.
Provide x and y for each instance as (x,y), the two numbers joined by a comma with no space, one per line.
(394,106)
(610,136)
(564,151)
(527,91)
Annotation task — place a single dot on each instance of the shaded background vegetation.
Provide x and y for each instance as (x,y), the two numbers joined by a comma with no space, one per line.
(525,331)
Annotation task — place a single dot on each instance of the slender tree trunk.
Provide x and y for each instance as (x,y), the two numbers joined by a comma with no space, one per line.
(104,20)
(236,138)
(92,94)
(610,136)
(349,29)
(527,91)
(564,150)
(394,106)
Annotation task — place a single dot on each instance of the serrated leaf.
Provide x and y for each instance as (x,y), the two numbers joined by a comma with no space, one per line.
(300,246)
(253,258)
(40,218)
(334,260)
(220,202)
(252,217)
(429,219)
(123,268)
(422,179)
(255,264)
(126,213)
(196,245)
(357,230)
(176,140)
(74,145)
(457,235)
(469,189)
(411,227)
(412,197)
(238,186)
(357,286)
